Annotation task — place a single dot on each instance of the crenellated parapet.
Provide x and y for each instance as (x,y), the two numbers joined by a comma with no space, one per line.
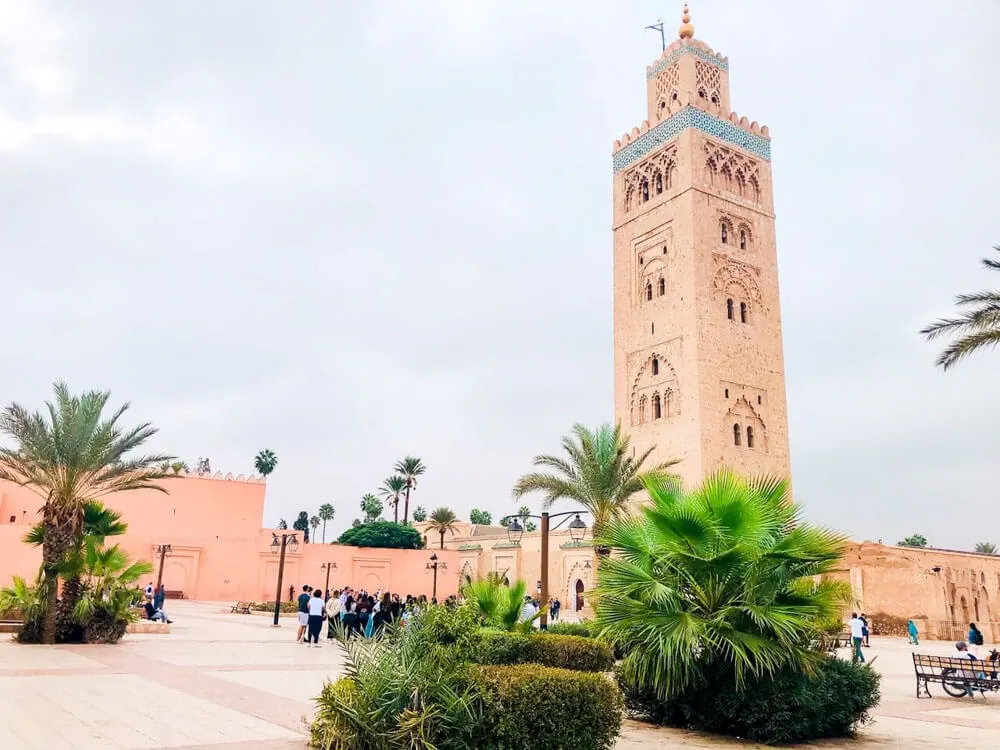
(220,477)
(681,47)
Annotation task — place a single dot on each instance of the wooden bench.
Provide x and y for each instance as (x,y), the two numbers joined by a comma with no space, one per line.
(175,594)
(956,676)
(242,608)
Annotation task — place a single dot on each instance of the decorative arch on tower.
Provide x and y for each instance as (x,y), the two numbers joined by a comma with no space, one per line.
(655,382)
(743,428)
(737,281)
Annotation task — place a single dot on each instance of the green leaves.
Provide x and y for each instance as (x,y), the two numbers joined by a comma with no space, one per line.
(265,462)
(724,573)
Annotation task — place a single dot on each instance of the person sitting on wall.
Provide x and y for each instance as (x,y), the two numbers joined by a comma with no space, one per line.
(154,614)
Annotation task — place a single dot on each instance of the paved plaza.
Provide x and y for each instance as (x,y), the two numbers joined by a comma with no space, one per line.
(224,681)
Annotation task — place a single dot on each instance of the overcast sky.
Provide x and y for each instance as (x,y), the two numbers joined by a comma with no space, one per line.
(352,231)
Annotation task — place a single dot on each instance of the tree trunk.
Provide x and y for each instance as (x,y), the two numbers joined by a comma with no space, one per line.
(57,542)
(406,506)
(324,531)
(442,538)
(395,510)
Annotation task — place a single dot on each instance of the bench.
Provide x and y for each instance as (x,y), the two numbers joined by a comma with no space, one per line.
(242,608)
(956,676)
(175,594)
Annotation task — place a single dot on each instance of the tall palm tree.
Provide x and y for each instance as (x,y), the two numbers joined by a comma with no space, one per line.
(409,468)
(372,507)
(264,462)
(599,473)
(726,576)
(69,454)
(315,521)
(390,491)
(326,513)
(442,520)
(977,326)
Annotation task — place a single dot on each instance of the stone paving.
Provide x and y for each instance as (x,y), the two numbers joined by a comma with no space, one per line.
(222,681)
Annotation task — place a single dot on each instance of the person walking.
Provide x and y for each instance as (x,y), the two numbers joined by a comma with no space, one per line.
(857,637)
(316,608)
(975,639)
(864,621)
(302,613)
(556,606)
(911,628)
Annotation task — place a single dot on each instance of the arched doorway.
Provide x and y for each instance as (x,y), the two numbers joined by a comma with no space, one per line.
(578,595)
(965,611)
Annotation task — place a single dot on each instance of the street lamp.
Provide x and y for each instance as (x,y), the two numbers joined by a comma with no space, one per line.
(436,566)
(327,566)
(162,550)
(289,541)
(577,530)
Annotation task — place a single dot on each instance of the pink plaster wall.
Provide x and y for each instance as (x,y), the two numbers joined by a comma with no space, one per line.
(220,551)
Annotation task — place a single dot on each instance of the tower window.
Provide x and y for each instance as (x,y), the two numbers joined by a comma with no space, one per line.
(656,366)
(669,398)
(758,400)
(743,240)
(657,413)
(659,183)
(736,434)
(645,190)
(673,97)
(649,291)
(715,99)
(749,436)
(743,312)
(652,327)
(664,249)
(661,287)
(725,234)
(727,393)
(701,93)
(729,308)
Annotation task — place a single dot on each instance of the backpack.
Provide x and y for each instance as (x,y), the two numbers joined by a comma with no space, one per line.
(977,638)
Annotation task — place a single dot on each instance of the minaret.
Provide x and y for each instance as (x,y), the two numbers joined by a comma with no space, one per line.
(699,369)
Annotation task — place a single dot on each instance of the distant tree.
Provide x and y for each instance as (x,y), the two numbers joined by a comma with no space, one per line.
(178,467)
(409,468)
(481,517)
(986,548)
(355,523)
(442,520)
(314,522)
(505,521)
(204,467)
(524,511)
(914,540)
(282,523)
(326,513)
(420,513)
(391,491)
(302,524)
(371,506)
(382,534)
(976,327)
(264,462)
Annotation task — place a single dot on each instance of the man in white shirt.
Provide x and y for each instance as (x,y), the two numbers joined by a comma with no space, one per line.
(528,610)
(857,626)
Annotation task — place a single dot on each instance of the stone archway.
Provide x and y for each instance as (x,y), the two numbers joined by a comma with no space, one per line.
(578,595)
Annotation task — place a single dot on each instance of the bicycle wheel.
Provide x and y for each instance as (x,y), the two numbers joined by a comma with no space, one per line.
(955,687)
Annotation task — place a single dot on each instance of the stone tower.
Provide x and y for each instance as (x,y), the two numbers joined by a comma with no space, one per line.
(699,370)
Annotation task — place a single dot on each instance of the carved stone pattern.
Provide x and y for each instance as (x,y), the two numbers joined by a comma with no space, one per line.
(732,171)
(743,413)
(667,84)
(690,117)
(645,385)
(707,78)
(686,50)
(662,165)
(741,274)
(736,225)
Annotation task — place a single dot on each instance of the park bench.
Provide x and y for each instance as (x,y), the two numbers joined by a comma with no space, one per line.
(173,594)
(955,675)
(242,608)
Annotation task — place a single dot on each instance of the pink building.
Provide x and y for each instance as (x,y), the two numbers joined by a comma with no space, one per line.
(219,550)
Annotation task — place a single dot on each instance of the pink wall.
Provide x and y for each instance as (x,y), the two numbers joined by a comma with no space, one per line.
(219,550)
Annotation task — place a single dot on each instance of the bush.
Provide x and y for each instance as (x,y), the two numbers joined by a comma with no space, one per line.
(562,651)
(581,629)
(528,707)
(286,607)
(786,708)
(383,534)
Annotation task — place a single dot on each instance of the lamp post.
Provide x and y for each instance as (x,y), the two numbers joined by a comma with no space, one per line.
(577,530)
(436,566)
(162,550)
(287,540)
(327,566)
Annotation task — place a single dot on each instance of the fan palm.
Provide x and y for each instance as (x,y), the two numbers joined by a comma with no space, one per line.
(499,605)
(977,327)
(326,513)
(442,520)
(108,590)
(70,454)
(315,521)
(599,473)
(264,462)
(409,468)
(723,576)
(390,491)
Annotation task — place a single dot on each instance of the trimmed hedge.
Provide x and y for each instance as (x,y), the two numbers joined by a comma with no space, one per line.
(527,707)
(495,647)
(581,629)
(383,534)
(787,708)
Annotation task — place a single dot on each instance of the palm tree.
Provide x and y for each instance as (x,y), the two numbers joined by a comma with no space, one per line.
(69,454)
(599,473)
(986,548)
(301,523)
(498,605)
(372,507)
(315,521)
(109,590)
(420,514)
(977,327)
(390,491)
(409,468)
(264,462)
(442,520)
(726,576)
(326,513)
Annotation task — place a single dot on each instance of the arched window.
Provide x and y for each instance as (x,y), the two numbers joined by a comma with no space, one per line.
(749,436)
(743,240)
(743,312)
(729,308)
(736,434)
(657,413)
(758,400)
(661,287)
(725,234)
(659,183)
(715,98)
(642,410)
(645,190)
(649,291)
(727,393)
(668,397)
(656,366)
(701,94)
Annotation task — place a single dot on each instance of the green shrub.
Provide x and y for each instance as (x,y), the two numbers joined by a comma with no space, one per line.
(527,707)
(786,708)
(562,651)
(581,629)
(457,629)
(383,534)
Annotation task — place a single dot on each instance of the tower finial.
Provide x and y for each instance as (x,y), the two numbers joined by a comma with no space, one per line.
(687,29)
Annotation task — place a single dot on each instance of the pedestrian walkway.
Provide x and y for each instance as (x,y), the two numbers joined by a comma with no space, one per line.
(222,681)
